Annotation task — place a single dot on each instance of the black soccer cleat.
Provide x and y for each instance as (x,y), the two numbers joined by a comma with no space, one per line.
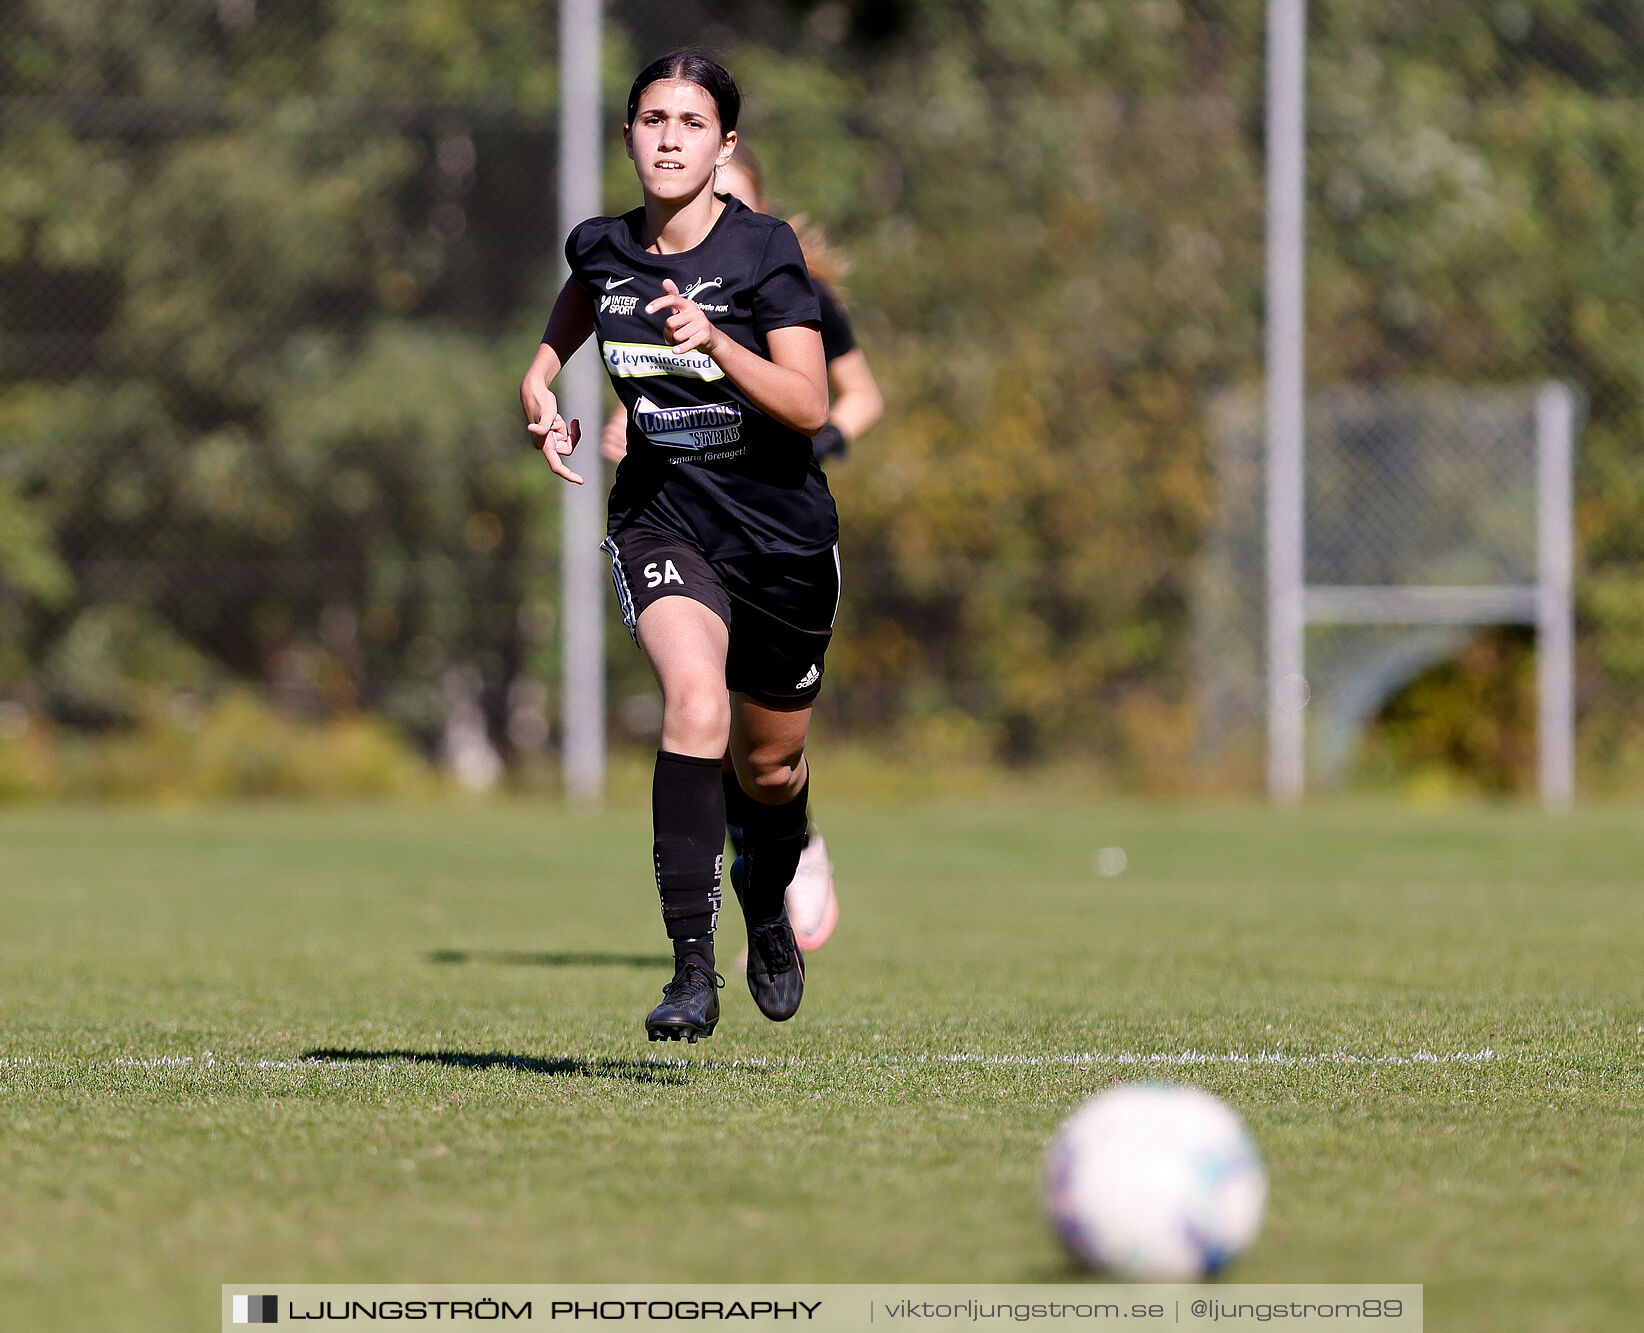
(776,968)
(690,1005)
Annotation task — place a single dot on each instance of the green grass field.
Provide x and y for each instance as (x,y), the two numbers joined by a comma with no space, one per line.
(490,1111)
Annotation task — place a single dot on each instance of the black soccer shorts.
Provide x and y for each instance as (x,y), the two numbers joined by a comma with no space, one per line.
(779,609)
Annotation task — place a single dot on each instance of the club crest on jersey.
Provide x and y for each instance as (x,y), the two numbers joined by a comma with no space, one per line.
(636,360)
(696,289)
(700,426)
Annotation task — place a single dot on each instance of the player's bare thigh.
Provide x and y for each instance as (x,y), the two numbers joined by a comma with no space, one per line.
(685,642)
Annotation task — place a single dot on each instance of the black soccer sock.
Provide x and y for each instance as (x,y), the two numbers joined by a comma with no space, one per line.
(688,822)
(737,803)
(697,949)
(773,838)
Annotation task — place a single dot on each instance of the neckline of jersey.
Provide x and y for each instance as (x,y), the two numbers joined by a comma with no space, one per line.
(634,217)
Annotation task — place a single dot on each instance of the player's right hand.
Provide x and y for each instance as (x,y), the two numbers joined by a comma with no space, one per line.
(556,436)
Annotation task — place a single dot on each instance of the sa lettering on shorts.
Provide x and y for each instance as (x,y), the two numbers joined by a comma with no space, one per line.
(655,577)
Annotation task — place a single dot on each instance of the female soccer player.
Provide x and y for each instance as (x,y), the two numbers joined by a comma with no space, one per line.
(722,535)
(813,907)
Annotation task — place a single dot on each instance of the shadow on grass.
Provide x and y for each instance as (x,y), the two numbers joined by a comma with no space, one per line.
(1065,1271)
(634,1071)
(524,958)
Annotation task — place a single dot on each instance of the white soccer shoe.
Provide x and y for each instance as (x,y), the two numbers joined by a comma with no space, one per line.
(813,907)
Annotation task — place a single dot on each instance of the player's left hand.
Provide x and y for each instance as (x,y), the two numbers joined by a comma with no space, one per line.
(688,328)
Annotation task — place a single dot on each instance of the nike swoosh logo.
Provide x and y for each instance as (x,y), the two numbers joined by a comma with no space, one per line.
(611,284)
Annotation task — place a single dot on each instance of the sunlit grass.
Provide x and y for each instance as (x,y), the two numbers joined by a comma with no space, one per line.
(291,1044)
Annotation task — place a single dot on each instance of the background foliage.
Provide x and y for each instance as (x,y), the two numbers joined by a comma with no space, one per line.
(269,270)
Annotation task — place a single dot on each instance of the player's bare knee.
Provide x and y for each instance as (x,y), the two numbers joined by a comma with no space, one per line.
(775,775)
(696,721)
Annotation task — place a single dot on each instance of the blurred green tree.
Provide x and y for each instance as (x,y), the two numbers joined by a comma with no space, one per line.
(269,270)
(258,365)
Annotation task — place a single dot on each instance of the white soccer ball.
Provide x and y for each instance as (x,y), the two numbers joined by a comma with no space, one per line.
(1157,1182)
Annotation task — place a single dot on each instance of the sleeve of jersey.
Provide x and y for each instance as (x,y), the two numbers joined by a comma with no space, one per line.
(578,246)
(837,338)
(783,294)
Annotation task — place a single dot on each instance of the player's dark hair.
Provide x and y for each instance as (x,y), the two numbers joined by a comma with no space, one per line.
(691,66)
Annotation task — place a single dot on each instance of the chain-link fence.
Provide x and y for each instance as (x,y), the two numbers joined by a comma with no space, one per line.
(270,270)
(1425,522)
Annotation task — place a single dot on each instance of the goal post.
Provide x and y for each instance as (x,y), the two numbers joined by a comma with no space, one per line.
(582,508)
(1555,595)
(1461,576)
(1427,511)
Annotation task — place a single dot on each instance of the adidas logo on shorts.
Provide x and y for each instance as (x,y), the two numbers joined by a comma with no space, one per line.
(811,677)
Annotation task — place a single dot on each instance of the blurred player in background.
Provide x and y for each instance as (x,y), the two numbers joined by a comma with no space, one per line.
(856,405)
(722,534)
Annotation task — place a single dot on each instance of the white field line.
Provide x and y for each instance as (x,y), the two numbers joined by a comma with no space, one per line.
(1120,1059)
(1177,1059)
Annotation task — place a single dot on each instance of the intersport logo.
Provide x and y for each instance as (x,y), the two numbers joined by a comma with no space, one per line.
(636,360)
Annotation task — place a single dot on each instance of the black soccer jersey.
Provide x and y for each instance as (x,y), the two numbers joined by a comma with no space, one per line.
(837,338)
(703,462)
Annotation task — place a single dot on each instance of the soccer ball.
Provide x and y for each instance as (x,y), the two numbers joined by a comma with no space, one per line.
(1157,1182)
